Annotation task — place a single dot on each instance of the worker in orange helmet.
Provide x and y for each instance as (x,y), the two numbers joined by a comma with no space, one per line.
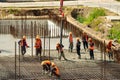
(78,44)
(55,70)
(59,48)
(85,40)
(70,42)
(109,49)
(46,66)
(38,45)
(23,45)
(91,48)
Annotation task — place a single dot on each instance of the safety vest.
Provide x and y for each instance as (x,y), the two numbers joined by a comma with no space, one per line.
(85,38)
(91,46)
(56,70)
(22,42)
(109,47)
(70,39)
(38,44)
(57,47)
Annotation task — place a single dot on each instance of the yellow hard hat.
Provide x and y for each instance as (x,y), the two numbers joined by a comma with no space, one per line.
(24,37)
(37,37)
(53,64)
(70,33)
(77,38)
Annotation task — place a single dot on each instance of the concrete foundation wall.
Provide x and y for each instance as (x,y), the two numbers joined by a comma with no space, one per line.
(99,42)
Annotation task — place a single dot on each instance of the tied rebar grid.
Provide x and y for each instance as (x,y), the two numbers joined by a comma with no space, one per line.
(72,70)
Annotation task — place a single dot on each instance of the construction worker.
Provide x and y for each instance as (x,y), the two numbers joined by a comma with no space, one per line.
(70,42)
(57,47)
(38,45)
(46,66)
(91,48)
(23,45)
(85,40)
(109,50)
(55,70)
(78,44)
(60,49)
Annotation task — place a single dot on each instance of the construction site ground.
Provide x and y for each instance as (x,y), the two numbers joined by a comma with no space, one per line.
(29,67)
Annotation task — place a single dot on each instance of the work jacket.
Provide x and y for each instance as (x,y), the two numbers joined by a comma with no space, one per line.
(70,39)
(91,46)
(109,47)
(85,37)
(23,43)
(56,70)
(38,43)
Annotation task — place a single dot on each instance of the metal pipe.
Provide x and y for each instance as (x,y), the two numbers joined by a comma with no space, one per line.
(42,30)
(49,44)
(15,60)
(19,62)
(25,24)
(44,43)
(104,52)
(32,38)
(22,26)
(102,65)
(16,32)
(61,34)
(104,75)
(35,30)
